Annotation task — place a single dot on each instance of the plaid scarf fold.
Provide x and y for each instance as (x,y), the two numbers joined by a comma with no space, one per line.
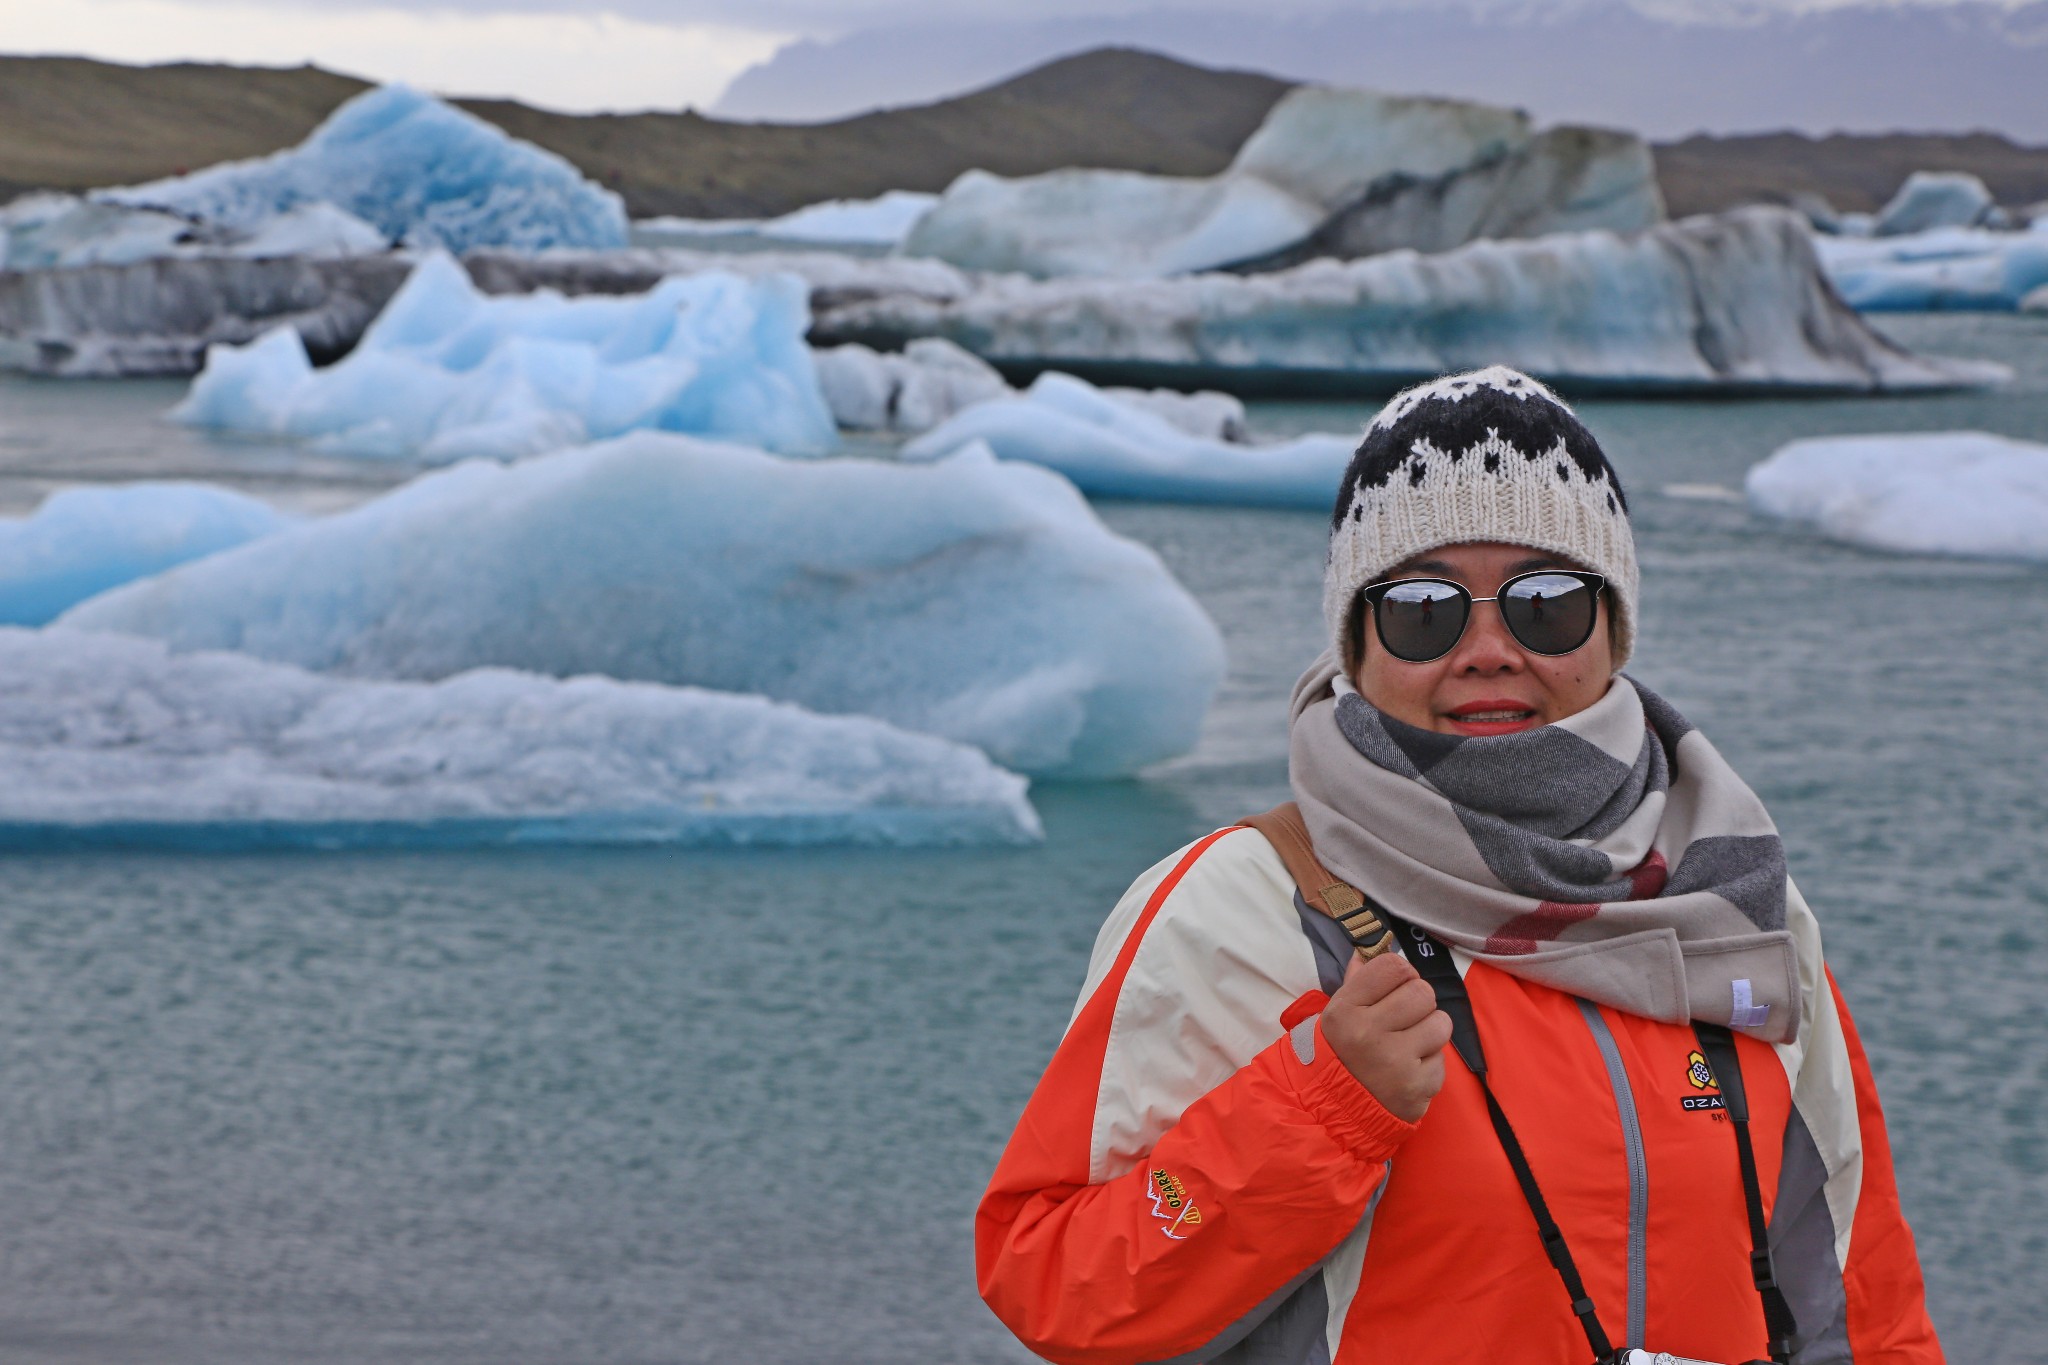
(1614,855)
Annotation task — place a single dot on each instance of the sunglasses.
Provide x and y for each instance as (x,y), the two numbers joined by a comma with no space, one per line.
(1550,611)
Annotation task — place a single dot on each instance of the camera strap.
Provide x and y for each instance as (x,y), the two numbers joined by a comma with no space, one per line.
(1373,928)
(1718,1043)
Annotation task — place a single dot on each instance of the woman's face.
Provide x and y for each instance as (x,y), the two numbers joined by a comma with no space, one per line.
(1488,684)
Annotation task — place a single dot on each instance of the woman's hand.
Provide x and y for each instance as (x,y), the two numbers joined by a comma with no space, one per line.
(1385,1027)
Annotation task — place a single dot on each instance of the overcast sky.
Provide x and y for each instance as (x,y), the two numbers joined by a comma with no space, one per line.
(626,54)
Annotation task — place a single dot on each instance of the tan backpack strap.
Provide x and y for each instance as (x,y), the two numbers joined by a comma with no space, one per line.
(1322,889)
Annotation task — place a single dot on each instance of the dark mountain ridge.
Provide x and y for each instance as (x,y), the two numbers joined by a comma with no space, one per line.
(74,124)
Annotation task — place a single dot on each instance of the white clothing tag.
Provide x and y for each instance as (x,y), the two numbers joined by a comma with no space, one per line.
(1747,1013)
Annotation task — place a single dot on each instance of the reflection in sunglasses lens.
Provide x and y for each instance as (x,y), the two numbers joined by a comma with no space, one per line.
(1550,613)
(1422,619)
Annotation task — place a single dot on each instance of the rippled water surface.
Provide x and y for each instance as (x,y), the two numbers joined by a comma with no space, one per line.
(654,1106)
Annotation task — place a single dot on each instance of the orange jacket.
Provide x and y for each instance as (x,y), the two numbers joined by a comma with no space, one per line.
(1197,1171)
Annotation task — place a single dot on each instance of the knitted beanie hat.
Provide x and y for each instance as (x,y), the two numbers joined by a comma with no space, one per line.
(1491,455)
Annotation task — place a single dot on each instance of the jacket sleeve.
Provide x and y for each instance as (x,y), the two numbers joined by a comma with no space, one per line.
(1885,1298)
(1186,1160)
(1843,1252)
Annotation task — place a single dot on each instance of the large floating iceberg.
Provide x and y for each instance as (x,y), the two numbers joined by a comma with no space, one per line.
(972,599)
(418,170)
(447,373)
(107,738)
(1112,449)
(1940,493)
(84,540)
(1731,302)
(1331,172)
(1946,268)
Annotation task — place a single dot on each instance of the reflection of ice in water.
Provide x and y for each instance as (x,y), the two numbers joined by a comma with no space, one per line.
(1701,492)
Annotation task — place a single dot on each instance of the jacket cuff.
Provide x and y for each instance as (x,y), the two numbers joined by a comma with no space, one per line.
(1341,1103)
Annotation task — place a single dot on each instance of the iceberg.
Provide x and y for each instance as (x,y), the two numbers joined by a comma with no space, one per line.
(1935,199)
(881,222)
(1964,493)
(1110,448)
(112,739)
(1329,173)
(446,373)
(82,541)
(158,317)
(1728,303)
(931,379)
(1945,268)
(416,169)
(60,231)
(968,598)
(910,390)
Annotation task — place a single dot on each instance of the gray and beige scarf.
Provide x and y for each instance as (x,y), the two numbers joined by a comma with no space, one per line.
(1614,854)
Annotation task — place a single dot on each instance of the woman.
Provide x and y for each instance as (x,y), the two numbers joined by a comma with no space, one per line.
(1253,1143)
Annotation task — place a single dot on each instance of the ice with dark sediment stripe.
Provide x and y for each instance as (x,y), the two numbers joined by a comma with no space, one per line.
(109,738)
(1731,302)
(970,598)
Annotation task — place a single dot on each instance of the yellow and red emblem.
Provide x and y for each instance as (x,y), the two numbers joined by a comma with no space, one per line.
(1171,1205)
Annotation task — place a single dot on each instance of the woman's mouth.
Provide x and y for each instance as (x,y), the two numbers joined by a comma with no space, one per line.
(1492,718)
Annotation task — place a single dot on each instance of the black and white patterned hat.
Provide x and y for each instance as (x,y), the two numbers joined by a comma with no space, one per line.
(1487,456)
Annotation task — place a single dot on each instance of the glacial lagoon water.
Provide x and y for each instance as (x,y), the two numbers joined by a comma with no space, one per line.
(656,1106)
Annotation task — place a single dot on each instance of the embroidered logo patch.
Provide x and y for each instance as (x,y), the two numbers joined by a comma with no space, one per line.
(1171,1205)
(1700,1076)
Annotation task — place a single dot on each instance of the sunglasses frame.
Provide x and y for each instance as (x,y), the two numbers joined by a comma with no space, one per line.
(1373,593)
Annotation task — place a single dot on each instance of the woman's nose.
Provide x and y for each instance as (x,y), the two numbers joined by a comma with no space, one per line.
(1486,646)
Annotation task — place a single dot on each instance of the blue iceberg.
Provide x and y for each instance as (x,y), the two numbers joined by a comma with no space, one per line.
(108,738)
(82,541)
(968,598)
(1112,448)
(447,372)
(420,171)
(1951,268)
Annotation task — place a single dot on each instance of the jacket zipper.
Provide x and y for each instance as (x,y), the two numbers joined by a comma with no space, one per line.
(1638,1173)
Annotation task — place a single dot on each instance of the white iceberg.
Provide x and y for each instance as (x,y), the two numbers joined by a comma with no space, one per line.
(448,373)
(1939,493)
(972,599)
(1935,199)
(880,222)
(108,738)
(931,379)
(418,170)
(1946,268)
(1733,302)
(1110,448)
(82,541)
(1330,171)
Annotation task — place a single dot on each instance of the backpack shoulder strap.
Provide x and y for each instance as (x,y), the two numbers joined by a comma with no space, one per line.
(1319,887)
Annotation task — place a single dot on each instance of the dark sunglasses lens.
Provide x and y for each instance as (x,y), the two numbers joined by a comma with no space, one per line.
(1420,621)
(1550,613)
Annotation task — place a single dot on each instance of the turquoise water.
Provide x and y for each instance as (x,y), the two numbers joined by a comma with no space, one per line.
(655,1106)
